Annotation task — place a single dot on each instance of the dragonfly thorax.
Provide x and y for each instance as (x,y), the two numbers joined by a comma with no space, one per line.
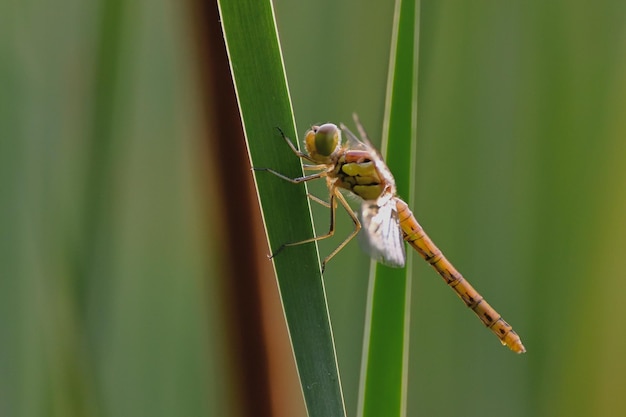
(360,176)
(323,142)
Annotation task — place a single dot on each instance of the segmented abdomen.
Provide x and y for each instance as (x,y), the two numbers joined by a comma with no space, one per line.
(417,238)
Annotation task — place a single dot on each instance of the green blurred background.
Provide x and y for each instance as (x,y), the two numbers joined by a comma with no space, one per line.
(109,264)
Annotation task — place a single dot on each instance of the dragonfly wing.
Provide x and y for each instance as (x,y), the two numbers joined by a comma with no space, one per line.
(381,236)
(353,142)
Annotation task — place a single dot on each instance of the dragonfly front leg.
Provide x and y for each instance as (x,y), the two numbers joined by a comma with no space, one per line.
(298,153)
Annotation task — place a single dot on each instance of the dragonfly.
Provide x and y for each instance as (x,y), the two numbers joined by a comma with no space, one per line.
(387,222)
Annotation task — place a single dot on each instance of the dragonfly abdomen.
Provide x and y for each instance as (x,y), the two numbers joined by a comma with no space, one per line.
(416,237)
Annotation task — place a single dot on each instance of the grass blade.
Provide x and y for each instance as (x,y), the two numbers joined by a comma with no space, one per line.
(384,368)
(264,103)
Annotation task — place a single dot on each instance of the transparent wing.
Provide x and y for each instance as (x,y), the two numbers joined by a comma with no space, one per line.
(381,236)
(355,143)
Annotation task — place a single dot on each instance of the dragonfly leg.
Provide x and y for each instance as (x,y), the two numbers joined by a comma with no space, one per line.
(357,226)
(330,233)
(332,205)
(318,200)
(297,180)
(298,153)
(308,167)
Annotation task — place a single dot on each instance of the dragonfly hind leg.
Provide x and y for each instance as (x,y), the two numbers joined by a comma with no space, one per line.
(355,220)
(332,205)
(318,200)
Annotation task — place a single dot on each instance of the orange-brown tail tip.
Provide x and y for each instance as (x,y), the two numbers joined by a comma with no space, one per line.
(515,345)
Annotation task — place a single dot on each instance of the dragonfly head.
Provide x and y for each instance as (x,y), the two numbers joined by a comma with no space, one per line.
(322,141)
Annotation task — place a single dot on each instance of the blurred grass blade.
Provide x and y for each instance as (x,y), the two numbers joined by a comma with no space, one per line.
(264,102)
(384,368)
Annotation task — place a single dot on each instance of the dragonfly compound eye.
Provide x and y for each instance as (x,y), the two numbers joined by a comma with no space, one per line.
(322,141)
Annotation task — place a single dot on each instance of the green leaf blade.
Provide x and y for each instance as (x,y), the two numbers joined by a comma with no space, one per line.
(264,102)
(384,370)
